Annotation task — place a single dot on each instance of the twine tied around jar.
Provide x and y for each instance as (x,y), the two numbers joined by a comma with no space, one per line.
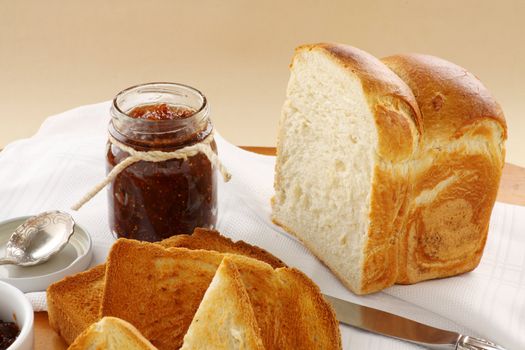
(155,156)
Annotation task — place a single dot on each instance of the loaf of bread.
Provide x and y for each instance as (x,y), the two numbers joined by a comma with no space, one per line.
(387,171)
(74,302)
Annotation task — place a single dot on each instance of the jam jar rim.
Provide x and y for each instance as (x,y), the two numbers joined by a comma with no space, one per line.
(203,110)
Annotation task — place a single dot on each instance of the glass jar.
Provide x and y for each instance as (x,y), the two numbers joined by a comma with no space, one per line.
(151,201)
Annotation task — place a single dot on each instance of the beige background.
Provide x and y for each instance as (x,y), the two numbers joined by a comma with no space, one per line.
(55,55)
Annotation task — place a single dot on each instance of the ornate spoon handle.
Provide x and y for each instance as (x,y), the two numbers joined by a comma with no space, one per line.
(6,261)
(466,342)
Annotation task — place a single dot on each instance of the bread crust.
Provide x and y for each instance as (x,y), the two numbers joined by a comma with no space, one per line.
(213,240)
(449,97)
(455,174)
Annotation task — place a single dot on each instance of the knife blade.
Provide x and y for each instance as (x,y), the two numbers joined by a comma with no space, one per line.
(394,326)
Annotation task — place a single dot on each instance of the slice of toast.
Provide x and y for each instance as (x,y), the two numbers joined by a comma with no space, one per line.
(289,307)
(159,291)
(155,289)
(111,333)
(74,302)
(225,318)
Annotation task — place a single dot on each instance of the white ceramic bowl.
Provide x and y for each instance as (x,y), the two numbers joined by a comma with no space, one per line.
(14,307)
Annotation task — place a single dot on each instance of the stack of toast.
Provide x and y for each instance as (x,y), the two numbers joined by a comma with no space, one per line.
(193,292)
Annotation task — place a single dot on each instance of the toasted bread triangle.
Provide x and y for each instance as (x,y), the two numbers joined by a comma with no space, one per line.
(225,318)
(111,333)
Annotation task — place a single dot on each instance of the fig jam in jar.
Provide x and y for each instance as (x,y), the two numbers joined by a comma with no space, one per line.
(151,201)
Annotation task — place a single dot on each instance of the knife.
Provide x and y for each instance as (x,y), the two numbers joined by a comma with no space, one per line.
(390,325)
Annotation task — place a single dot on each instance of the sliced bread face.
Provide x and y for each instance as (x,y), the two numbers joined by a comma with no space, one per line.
(225,319)
(348,129)
(325,163)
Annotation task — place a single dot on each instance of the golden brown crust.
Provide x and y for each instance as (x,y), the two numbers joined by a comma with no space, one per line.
(241,294)
(456,172)
(446,236)
(213,240)
(389,196)
(450,98)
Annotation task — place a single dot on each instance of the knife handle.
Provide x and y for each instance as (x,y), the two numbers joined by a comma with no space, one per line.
(466,342)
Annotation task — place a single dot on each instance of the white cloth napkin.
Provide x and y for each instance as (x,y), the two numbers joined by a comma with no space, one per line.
(55,167)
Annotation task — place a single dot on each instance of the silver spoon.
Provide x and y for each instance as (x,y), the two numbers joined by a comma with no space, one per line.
(38,238)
